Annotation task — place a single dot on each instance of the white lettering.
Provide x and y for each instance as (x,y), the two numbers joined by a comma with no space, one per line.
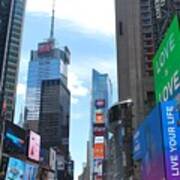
(164,55)
(172,86)
(175,165)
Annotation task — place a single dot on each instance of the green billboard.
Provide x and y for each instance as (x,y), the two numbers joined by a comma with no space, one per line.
(166,64)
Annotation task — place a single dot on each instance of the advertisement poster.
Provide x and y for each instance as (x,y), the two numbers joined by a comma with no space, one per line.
(99,118)
(34,146)
(15,170)
(14,139)
(148,147)
(99,151)
(100,103)
(52,159)
(166,64)
(98,167)
(31,172)
(171,133)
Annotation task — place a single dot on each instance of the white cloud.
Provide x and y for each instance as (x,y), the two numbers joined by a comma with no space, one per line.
(93,15)
(76,87)
(21,89)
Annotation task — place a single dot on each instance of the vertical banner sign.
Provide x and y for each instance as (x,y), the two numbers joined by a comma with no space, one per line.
(166,64)
(171,136)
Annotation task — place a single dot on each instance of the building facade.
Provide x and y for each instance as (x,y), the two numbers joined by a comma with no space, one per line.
(100,102)
(55,115)
(47,62)
(11,21)
(54,121)
(140,26)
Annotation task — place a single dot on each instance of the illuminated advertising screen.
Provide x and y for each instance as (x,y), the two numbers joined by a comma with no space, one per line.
(98,167)
(45,47)
(3,167)
(14,139)
(31,172)
(99,118)
(148,147)
(99,151)
(99,130)
(166,64)
(15,170)
(171,134)
(98,139)
(34,146)
(52,159)
(100,103)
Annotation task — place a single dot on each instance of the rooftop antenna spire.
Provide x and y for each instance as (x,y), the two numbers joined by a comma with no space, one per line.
(52,21)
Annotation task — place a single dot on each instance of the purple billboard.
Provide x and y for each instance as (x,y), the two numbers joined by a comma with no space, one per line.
(171,134)
(157,143)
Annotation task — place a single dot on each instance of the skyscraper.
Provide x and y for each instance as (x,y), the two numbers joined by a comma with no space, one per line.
(11,23)
(47,62)
(100,102)
(55,115)
(54,123)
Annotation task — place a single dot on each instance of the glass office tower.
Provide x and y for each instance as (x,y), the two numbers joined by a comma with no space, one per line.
(100,102)
(47,62)
(11,24)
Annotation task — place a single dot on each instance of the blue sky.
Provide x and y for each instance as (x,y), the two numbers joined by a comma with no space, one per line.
(87,28)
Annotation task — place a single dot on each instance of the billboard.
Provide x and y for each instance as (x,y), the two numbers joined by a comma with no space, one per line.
(31,172)
(99,151)
(34,146)
(99,118)
(99,130)
(98,167)
(98,139)
(166,64)
(157,143)
(52,159)
(148,147)
(14,139)
(45,47)
(171,134)
(15,170)
(100,103)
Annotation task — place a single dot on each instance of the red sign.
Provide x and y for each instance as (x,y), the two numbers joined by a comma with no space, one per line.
(99,131)
(44,48)
(99,151)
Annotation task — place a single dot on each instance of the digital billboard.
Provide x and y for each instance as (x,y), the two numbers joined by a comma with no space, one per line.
(148,147)
(98,139)
(31,172)
(15,170)
(171,134)
(14,139)
(100,103)
(34,146)
(99,118)
(99,130)
(98,167)
(166,64)
(52,159)
(99,151)
(45,47)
